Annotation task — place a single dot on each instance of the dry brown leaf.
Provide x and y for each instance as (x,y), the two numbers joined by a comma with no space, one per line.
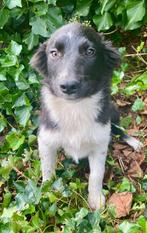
(133,131)
(139,157)
(118,146)
(135,170)
(122,103)
(145,142)
(122,202)
(127,153)
(143,112)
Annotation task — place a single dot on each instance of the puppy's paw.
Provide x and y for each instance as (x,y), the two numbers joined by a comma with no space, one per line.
(96,201)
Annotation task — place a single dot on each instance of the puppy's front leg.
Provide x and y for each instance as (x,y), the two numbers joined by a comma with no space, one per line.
(97,168)
(47,153)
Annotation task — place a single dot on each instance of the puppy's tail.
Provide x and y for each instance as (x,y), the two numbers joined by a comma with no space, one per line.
(116,130)
(133,142)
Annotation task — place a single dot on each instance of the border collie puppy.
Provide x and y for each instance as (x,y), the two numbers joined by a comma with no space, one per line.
(77,113)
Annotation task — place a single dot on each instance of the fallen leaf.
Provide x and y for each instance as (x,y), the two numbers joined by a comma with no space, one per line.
(132,132)
(122,202)
(144,112)
(122,103)
(127,152)
(145,142)
(119,146)
(137,156)
(135,170)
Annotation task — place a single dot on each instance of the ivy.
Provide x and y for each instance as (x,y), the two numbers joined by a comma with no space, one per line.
(59,205)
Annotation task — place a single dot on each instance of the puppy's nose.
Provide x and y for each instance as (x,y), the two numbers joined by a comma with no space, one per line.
(70,87)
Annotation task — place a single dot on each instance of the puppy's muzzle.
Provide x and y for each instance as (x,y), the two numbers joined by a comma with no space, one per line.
(70,87)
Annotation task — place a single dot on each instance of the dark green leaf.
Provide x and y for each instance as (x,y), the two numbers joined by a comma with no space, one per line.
(126,185)
(30,195)
(23,114)
(135,13)
(103,22)
(138,105)
(3,123)
(22,101)
(4,17)
(8,60)
(39,26)
(127,227)
(31,40)
(15,140)
(107,5)
(13,3)
(14,48)
(126,121)
(82,7)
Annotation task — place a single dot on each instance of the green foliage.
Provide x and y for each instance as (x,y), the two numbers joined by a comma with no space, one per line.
(138,105)
(59,205)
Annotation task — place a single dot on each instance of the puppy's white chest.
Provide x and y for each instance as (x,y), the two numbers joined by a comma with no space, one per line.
(78,132)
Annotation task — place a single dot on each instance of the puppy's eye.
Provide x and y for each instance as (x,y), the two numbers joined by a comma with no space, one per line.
(55,54)
(90,52)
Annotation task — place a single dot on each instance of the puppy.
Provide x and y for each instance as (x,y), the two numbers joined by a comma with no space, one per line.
(77,113)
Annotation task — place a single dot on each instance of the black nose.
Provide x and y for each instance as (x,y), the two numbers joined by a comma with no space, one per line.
(70,87)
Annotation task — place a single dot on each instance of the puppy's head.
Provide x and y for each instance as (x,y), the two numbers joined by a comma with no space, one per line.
(76,62)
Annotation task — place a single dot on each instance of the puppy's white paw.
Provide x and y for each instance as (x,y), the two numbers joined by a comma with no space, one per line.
(96,201)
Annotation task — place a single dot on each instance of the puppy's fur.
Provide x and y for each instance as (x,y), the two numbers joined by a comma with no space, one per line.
(77,113)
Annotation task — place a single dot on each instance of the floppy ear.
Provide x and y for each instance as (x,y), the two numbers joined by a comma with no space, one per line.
(111,55)
(39,60)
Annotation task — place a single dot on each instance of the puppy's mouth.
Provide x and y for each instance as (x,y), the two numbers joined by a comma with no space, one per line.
(71,96)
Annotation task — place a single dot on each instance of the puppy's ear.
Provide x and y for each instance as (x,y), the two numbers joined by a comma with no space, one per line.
(111,55)
(39,60)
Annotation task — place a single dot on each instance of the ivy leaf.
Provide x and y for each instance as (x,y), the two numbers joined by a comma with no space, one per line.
(8,213)
(107,5)
(15,140)
(33,79)
(39,26)
(14,48)
(138,120)
(22,101)
(80,215)
(23,114)
(138,105)
(54,19)
(13,3)
(8,60)
(3,89)
(82,7)
(2,77)
(127,227)
(135,13)
(52,210)
(22,84)
(143,78)
(126,121)
(3,123)
(40,9)
(103,22)
(30,195)
(31,40)
(4,17)
(126,185)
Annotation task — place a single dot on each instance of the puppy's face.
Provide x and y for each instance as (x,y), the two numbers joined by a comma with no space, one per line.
(75,62)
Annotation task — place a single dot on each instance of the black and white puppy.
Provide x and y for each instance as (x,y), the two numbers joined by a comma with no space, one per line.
(77,113)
